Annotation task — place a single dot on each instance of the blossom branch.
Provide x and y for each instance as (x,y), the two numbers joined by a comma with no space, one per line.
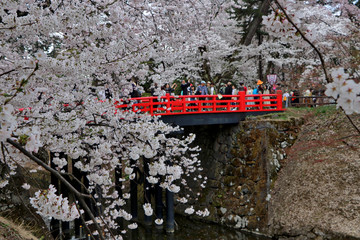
(352,122)
(306,40)
(79,195)
(46,167)
(18,164)
(133,52)
(22,84)
(7,72)
(14,27)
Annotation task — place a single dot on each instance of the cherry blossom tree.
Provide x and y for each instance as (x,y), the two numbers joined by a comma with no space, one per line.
(53,52)
(330,26)
(294,25)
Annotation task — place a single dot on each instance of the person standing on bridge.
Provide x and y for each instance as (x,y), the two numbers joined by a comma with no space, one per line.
(228,90)
(192,99)
(267,92)
(155,91)
(202,90)
(211,88)
(169,89)
(242,88)
(258,90)
(184,87)
(211,91)
(234,92)
(222,89)
(249,92)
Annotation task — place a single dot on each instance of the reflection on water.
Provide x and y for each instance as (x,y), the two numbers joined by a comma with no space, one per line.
(191,230)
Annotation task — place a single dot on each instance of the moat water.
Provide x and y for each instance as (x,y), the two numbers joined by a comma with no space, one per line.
(187,229)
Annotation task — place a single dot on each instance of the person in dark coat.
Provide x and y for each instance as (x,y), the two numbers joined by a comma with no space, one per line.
(228,91)
(184,87)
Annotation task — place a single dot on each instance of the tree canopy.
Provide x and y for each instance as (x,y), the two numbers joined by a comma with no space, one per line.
(56,56)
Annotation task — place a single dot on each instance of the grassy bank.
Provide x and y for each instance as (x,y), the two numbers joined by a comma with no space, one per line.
(12,231)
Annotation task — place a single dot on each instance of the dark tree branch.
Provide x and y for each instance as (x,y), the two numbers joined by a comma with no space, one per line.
(77,194)
(306,40)
(351,121)
(319,54)
(7,72)
(46,167)
(22,84)
(87,209)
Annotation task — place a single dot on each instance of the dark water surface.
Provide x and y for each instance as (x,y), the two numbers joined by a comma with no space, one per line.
(191,230)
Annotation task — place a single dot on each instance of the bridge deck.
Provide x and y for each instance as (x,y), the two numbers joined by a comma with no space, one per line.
(206,109)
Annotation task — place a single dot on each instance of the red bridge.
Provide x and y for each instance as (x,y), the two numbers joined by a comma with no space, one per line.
(191,110)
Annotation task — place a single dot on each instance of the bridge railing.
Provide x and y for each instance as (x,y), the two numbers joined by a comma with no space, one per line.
(310,101)
(195,104)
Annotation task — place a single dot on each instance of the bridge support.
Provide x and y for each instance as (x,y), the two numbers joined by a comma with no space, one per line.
(118,188)
(147,191)
(170,218)
(133,194)
(158,204)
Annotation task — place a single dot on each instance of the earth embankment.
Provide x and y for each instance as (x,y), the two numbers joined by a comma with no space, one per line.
(317,192)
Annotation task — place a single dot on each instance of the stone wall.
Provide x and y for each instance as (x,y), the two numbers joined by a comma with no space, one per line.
(241,163)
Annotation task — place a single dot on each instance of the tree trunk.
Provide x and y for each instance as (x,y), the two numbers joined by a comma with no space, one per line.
(254,25)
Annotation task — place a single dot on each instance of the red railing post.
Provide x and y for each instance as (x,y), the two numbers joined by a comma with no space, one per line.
(133,107)
(261,101)
(279,100)
(198,104)
(213,98)
(228,108)
(151,106)
(167,102)
(183,100)
(242,101)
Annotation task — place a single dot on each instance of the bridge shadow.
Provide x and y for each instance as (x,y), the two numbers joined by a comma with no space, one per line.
(210,118)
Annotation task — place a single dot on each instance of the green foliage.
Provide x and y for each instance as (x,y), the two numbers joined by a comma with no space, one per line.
(23,139)
(145,94)
(322,111)
(325,111)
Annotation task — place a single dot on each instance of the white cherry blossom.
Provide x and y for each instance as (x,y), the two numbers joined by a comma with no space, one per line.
(48,204)
(26,186)
(132,226)
(190,210)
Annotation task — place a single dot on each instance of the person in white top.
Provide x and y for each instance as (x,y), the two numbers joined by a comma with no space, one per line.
(234,92)
(286,96)
(249,92)
(308,98)
(211,89)
(266,91)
